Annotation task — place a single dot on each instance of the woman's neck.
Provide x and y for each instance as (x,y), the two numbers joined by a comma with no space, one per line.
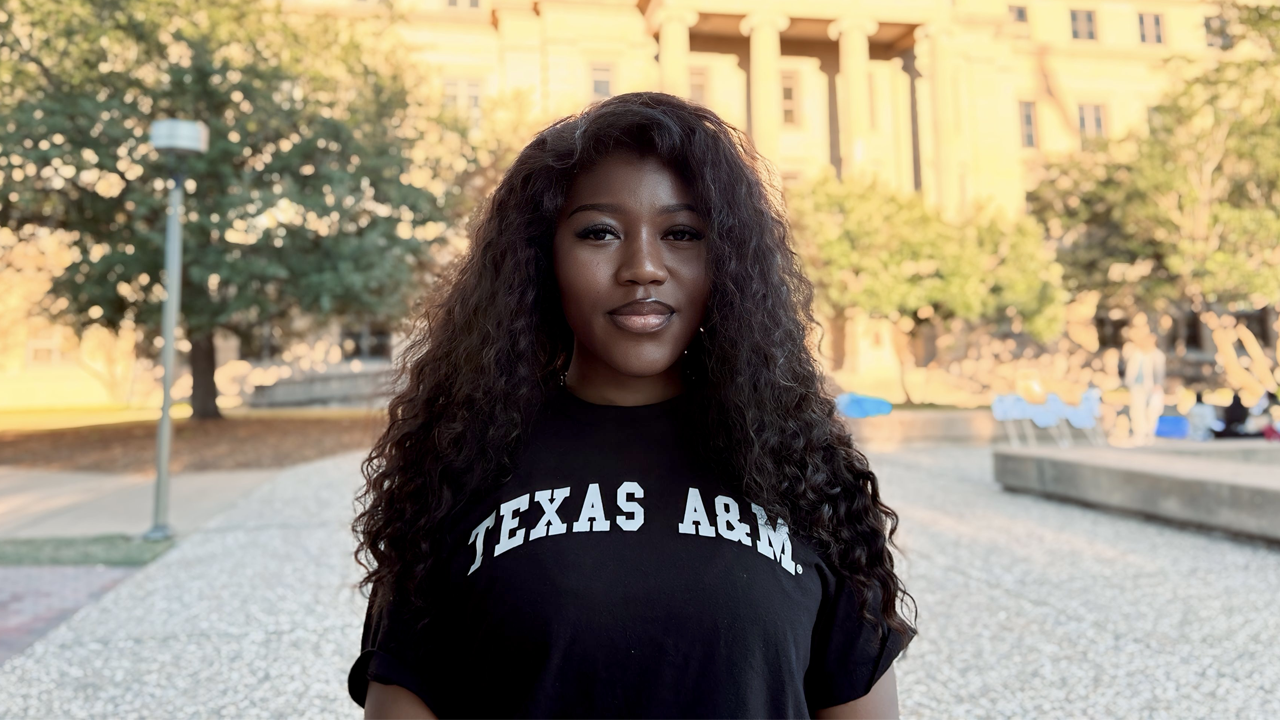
(597,383)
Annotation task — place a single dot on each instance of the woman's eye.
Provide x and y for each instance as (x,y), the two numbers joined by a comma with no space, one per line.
(682,234)
(597,233)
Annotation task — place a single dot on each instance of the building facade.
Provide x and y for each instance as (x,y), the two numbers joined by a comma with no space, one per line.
(959,100)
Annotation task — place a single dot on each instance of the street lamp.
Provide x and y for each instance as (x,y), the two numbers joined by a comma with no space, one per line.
(177,139)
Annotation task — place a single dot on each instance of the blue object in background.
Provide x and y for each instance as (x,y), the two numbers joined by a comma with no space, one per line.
(1172,426)
(859,406)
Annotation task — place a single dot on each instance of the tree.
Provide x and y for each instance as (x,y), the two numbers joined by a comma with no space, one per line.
(309,203)
(864,246)
(1184,214)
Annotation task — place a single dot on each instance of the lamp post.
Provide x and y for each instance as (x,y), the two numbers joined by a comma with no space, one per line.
(177,139)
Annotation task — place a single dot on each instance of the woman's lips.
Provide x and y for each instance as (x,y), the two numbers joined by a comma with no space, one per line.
(641,323)
(642,316)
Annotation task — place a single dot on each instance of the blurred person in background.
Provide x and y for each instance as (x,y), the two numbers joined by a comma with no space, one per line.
(1202,420)
(612,484)
(1144,372)
(1234,419)
(1272,429)
(1259,419)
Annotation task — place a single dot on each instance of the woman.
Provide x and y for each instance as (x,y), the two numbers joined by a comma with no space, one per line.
(612,484)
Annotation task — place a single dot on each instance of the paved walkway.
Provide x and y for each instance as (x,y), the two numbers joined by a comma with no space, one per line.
(1029,608)
(55,503)
(58,504)
(1036,608)
(250,616)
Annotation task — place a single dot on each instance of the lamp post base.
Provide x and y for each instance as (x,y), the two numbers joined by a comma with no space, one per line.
(158,533)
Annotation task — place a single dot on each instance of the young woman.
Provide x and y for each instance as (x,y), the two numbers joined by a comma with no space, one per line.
(612,484)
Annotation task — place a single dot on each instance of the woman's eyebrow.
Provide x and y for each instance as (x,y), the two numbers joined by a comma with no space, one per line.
(601,207)
(612,208)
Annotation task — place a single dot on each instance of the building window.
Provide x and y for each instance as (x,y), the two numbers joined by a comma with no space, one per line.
(44,350)
(1216,35)
(698,85)
(1256,322)
(1154,118)
(1018,13)
(463,97)
(1110,332)
(601,82)
(1149,29)
(470,3)
(1091,122)
(1082,27)
(790,93)
(1191,331)
(1027,118)
(367,340)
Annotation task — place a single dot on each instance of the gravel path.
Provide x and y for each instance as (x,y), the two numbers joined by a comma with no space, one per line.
(1034,608)
(252,616)
(1029,608)
(34,599)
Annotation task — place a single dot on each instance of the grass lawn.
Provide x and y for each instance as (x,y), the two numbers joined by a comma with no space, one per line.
(102,549)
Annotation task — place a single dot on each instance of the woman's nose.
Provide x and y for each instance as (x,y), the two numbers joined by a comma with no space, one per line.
(642,261)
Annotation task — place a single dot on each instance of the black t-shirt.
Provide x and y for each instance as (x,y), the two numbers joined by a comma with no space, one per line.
(615,575)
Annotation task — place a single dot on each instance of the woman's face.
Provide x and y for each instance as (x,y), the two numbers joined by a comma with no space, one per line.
(631,262)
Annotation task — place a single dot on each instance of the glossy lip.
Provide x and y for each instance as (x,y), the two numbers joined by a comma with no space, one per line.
(642,316)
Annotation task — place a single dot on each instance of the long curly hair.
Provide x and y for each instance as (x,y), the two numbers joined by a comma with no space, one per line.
(492,342)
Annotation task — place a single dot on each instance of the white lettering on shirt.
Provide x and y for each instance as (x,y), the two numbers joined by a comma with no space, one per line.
(592,517)
(634,522)
(550,523)
(729,522)
(695,517)
(477,537)
(774,541)
(510,522)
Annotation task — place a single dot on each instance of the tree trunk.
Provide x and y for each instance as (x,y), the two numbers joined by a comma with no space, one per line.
(204,393)
(837,339)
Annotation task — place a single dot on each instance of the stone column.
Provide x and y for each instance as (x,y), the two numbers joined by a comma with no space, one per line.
(854,93)
(899,127)
(764,29)
(926,116)
(936,90)
(673,49)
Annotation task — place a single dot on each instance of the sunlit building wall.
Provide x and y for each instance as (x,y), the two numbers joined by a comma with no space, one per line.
(960,100)
(956,99)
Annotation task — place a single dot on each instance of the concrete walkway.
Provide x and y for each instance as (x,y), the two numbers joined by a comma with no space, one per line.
(54,504)
(1028,608)
(250,616)
(51,503)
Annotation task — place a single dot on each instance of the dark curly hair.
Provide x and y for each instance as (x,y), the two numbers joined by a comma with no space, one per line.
(493,341)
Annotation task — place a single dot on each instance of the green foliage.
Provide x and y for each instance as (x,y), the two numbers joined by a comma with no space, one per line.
(864,246)
(309,204)
(1186,213)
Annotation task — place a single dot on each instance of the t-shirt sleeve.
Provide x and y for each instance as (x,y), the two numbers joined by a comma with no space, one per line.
(847,656)
(390,653)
